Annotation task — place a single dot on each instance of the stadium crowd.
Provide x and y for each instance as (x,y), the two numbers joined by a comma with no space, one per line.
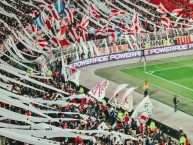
(148,14)
(99,113)
(115,120)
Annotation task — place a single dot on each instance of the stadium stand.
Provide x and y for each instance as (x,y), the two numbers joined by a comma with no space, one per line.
(46,104)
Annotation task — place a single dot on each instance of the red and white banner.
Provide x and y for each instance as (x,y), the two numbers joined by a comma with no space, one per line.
(69,14)
(42,42)
(161,9)
(75,77)
(94,12)
(176,12)
(98,92)
(73,35)
(115,15)
(62,33)
(165,21)
(69,71)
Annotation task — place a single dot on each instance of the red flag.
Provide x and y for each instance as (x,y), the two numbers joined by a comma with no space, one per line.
(64,43)
(165,21)
(176,12)
(161,9)
(62,32)
(54,41)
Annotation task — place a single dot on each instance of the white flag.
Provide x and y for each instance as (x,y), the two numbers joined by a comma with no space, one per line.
(69,72)
(127,100)
(113,100)
(120,87)
(98,92)
(128,103)
(75,77)
(144,109)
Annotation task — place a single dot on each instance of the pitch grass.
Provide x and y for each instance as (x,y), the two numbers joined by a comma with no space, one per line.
(165,79)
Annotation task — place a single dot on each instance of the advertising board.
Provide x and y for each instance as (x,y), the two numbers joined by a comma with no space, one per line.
(130,54)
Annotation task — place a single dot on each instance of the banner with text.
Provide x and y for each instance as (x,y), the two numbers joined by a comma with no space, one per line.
(130,54)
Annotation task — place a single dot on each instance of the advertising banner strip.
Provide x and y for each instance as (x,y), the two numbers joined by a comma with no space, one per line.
(130,54)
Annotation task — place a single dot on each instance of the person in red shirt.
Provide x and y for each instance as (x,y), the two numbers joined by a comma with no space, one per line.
(78,140)
(126,118)
(141,128)
(65,126)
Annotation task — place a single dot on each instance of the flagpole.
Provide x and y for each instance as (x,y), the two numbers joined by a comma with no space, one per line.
(144,66)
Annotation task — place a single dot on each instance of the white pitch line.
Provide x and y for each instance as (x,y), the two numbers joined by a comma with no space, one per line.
(170,82)
(170,68)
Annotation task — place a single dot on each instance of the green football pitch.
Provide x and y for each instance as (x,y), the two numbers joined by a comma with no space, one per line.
(176,77)
(166,77)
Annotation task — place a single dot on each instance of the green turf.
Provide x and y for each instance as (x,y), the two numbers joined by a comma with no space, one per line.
(160,90)
(176,77)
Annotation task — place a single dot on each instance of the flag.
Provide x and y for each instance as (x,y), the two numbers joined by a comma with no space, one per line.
(113,37)
(95,15)
(39,22)
(110,31)
(145,108)
(100,32)
(33,14)
(31,28)
(114,11)
(98,92)
(119,88)
(126,102)
(176,12)
(63,22)
(46,20)
(69,71)
(114,15)
(51,54)
(42,42)
(93,11)
(53,12)
(75,77)
(83,24)
(73,35)
(54,41)
(165,21)
(60,35)
(135,24)
(59,6)
(63,67)
(64,42)
(161,9)
(69,14)
(116,93)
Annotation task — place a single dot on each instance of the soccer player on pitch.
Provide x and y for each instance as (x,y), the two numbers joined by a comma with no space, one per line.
(142,55)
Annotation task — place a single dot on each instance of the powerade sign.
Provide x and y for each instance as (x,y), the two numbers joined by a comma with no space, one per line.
(129,55)
(89,61)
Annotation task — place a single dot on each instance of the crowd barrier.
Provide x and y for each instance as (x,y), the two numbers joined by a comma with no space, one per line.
(130,54)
